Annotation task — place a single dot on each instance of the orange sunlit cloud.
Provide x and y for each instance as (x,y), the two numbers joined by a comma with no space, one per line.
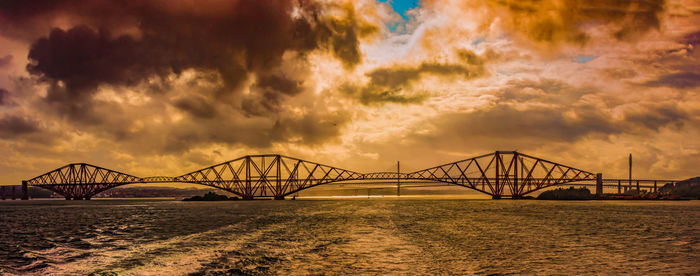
(166,87)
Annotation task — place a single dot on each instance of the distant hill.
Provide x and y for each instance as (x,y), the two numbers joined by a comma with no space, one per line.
(145,191)
(34,192)
(210,196)
(689,188)
(122,192)
(566,194)
(689,182)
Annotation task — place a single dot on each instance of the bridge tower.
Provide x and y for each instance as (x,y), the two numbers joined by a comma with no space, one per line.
(398,178)
(598,184)
(25,190)
(279,193)
(497,194)
(248,189)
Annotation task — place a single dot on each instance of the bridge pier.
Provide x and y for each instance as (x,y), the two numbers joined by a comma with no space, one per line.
(496,197)
(598,184)
(25,190)
(2,191)
(14,195)
(279,197)
(245,197)
(619,187)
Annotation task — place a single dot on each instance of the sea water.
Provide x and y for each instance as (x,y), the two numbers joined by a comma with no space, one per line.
(350,236)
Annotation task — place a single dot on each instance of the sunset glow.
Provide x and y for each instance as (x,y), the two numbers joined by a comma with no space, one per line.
(166,87)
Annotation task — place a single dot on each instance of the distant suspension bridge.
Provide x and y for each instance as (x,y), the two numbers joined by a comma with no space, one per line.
(501,174)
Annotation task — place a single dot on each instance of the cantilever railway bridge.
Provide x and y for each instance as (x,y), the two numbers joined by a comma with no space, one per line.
(499,174)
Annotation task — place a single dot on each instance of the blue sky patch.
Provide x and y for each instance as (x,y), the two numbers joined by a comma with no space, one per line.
(582,59)
(401,7)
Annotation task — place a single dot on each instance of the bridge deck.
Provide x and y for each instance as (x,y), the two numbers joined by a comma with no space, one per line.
(499,174)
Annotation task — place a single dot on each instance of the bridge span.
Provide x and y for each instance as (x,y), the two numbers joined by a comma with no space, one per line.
(500,174)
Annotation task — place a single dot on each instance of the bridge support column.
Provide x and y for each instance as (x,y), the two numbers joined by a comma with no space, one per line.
(598,184)
(496,197)
(279,197)
(14,195)
(654,186)
(247,197)
(619,187)
(25,190)
(2,191)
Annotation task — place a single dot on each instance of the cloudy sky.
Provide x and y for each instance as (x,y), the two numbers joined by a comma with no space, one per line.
(163,87)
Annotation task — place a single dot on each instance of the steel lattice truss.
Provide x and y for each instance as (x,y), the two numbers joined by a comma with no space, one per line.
(384,175)
(504,174)
(158,179)
(267,176)
(81,181)
(499,174)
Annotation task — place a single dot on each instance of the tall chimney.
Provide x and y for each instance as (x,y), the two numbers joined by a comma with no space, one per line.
(630,171)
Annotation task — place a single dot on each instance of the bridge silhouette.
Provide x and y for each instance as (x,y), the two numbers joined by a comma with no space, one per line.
(500,174)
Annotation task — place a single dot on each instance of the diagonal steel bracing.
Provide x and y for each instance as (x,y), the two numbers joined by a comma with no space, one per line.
(267,176)
(504,174)
(81,181)
(499,174)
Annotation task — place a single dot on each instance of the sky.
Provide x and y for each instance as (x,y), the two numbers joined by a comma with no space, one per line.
(165,87)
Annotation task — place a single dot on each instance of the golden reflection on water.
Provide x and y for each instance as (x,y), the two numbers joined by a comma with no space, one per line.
(320,235)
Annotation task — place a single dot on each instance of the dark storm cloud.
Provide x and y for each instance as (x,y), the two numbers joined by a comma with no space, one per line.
(647,115)
(391,84)
(618,73)
(568,20)
(197,106)
(680,64)
(677,80)
(123,44)
(4,97)
(311,129)
(371,94)
(82,58)
(14,126)
(692,39)
(656,116)
(280,84)
(528,114)
(270,91)
(399,76)
(6,60)
(503,126)
(543,124)
(314,128)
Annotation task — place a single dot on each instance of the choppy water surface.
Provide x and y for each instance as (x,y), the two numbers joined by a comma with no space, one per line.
(134,237)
